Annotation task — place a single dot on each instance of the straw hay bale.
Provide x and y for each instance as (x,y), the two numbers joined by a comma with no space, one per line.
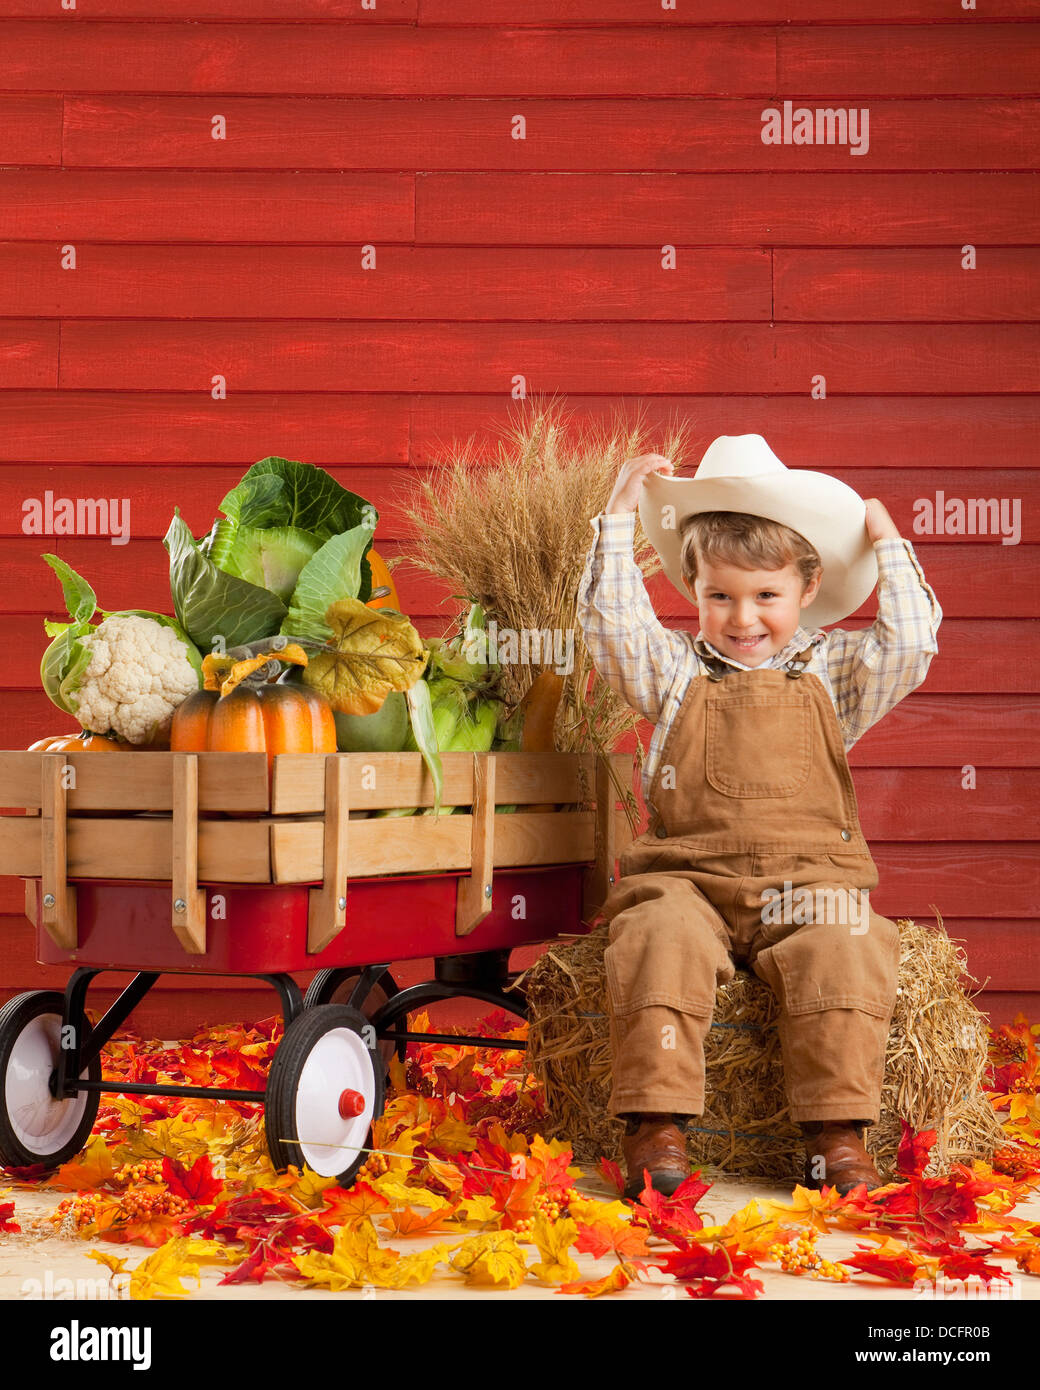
(936,1055)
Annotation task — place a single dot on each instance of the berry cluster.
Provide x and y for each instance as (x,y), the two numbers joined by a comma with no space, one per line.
(1008,1049)
(552,1208)
(374,1166)
(1013,1161)
(148,1170)
(82,1211)
(1020,1085)
(146,1204)
(802,1257)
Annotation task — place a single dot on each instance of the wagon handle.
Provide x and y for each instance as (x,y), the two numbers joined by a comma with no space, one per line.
(58,896)
(327,905)
(188,900)
(473,894)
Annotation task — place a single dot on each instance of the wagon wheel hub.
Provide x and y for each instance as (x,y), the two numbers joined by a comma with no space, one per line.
(351,1103)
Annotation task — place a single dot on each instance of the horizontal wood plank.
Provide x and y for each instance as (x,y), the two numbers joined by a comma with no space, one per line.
(28,354)
(254,59)
(30,130)
(907,284)
(379,780)
(695,134)
(410,283)
(181,207)
(234,782)
(778,209)
(435,844)
(925,60)
(97,354)
(229,851)
(118,428)
(85,502)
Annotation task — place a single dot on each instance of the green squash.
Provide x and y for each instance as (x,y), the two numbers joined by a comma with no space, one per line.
(384,731)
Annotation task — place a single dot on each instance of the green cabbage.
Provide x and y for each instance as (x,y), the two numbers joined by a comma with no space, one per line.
(291,542)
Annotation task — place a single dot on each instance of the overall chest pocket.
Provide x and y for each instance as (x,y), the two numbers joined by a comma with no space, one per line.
(758,745)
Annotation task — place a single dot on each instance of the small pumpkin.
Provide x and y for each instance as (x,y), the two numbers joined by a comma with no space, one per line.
(82,742)
(271,719)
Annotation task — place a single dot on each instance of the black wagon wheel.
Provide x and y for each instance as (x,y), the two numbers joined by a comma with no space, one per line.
(338,984)
(324,1090)
(34,1126)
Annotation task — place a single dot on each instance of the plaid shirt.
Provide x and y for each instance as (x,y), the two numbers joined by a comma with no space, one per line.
(865,672)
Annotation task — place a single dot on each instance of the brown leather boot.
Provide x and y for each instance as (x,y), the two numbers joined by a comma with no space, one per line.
(846,1163)
(657,1144)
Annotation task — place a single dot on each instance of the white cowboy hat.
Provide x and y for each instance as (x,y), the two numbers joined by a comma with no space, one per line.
(740,473)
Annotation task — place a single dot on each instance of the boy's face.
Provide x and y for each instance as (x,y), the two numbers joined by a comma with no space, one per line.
(750,615)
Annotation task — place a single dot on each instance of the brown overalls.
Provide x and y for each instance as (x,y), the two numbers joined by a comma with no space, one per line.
(752,793)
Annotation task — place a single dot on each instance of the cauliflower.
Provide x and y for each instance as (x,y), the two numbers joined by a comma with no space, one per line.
(139,673)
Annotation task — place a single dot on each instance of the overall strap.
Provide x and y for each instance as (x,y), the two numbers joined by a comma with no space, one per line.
(716,670)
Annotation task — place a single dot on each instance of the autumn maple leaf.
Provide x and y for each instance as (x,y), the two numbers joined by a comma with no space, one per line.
(893,1263)
(914,1149)
(618,1278)
(674,1215)
(198,1185)
(612,1173)
(7,1221)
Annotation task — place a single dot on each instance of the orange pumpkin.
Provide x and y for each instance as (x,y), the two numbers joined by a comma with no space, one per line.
(267,719)
(83,742)
(381,576)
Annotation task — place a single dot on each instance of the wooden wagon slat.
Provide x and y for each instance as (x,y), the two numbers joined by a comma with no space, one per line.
(437,844)
(473,894)
(139,781)
(381,780)
(187,899)
(327,905)
(59,899)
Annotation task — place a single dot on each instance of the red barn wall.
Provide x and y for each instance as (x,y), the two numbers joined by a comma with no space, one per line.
(240,257)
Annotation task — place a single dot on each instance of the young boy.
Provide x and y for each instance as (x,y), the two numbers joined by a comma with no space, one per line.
(752,806)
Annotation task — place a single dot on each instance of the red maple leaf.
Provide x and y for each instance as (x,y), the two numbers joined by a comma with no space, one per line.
(896,1267)
(710,1269)
(7,1222)
(674,1215)
(610,1170)
(199,1185)
(914,1149)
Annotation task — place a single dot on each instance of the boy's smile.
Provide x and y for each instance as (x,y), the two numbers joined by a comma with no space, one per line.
(750,615)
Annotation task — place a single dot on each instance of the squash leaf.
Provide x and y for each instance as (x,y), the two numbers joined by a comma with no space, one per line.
(372,652)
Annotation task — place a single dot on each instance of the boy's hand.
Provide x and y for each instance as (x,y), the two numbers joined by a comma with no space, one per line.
(625,497)
(880,525)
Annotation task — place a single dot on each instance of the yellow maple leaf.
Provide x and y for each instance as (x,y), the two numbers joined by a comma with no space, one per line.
(307,1187)
(491,1258)
(447,1173)
(159,1275)
(394,1190)
(618,1278)
(553,1239)
(418,1268)
(477,1211)
(453,1136)
(809,1208)
(590,1210)
(94,1167)
(111,1262)
(213,1251)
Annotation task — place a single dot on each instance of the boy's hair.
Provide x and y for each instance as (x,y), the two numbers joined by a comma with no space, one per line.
(750,542)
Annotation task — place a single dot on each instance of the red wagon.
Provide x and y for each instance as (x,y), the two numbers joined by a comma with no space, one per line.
(218,864)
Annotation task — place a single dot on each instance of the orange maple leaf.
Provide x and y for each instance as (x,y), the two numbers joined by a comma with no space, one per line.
(618,1278)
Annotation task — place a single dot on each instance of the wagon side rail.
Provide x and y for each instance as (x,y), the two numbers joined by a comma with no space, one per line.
(189,819)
